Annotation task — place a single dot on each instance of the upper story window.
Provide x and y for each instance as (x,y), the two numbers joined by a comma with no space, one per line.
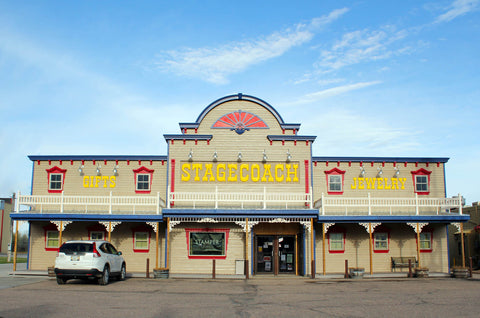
(143,180)
(421,181)
(56,179)
(335,181)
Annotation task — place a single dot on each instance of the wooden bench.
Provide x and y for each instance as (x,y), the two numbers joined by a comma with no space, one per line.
(402,262)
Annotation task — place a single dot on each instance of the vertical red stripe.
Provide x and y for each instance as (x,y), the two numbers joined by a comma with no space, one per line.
(307,186)
(172,180)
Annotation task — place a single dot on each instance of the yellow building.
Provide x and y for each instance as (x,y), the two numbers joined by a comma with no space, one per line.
(240,187)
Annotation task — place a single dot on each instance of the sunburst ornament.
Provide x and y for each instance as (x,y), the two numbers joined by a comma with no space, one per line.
(240,121)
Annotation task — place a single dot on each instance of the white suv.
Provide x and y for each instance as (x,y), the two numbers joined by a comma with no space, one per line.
(89,259)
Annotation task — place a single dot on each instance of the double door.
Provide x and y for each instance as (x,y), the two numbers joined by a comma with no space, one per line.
(275,254)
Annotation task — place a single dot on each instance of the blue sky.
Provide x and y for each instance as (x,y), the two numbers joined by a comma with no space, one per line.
(368,78)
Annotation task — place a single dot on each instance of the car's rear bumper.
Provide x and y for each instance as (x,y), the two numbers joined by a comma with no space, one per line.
(77,273)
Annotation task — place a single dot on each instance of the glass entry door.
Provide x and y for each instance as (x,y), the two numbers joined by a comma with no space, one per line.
(275,254)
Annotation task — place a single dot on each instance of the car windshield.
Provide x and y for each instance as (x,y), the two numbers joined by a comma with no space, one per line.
(70,248)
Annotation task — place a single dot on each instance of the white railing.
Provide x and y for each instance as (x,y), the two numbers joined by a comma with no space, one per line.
(334,205)
(242,200)
(90,204)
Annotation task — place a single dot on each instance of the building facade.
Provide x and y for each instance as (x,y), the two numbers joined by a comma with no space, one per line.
(239,186)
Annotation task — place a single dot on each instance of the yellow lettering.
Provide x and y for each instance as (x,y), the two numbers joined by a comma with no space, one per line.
(294,173)
(221,174)
(112,181)
(185,172)
(380,183)
(97,180)
(277,177)
(354,185)
(402,181)
(208,172)
(232,172)
(361,183)
(91,181)
(387,186)
(197,167)
(255,170)
(370,182)
(394,183)
(104,179)
(267,172)
(85,182)
(243,178)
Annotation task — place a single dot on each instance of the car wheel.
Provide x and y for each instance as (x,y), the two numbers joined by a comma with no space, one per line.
(123,273)
(61,281)
(105,276)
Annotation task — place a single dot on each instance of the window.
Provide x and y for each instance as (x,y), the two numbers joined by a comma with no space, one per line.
(336,240)
(426,241)
(141,241)
(97,235)
(335,179)
(143,180)
(56,178)
(380,242)
(207,243)
(52,237)
(421,181)
(52,240)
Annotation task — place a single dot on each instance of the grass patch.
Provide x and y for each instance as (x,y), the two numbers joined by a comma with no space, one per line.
(3,260)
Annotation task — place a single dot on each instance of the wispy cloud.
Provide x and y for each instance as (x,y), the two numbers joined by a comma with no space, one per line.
(456,9)
(312,97)
(362,46)
(216,64)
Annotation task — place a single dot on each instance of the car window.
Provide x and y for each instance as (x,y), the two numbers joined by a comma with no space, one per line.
(104,248)
(70,248)
(113,250)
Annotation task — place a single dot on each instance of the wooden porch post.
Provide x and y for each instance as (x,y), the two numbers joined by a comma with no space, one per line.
(110,231)
(323,250)
(167,265)
(418,245)
(246,250)
(312,238)
(60,234)
(370,247)
(463,244)
(15,247)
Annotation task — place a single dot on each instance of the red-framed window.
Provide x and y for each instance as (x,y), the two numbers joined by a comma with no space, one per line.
(381,240)
(141,236)
(97,232)
(335,181)
(52,237)
(426,240)
(421,181)
(336,239)
(207,243)
(143,180)
(56,179)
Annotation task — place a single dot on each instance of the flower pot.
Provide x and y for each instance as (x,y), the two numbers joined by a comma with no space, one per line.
(421,272)
(161,273)
(460,272)
(356,272)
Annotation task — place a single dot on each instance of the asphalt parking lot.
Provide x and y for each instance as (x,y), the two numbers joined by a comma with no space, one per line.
(257,297)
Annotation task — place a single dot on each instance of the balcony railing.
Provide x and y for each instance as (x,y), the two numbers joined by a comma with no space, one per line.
(240,200)
(418,205)
(90,204)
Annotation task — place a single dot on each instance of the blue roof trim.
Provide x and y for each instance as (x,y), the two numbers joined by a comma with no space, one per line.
(381,159)
(187,137)
(87,217)
(239,213)
(291,137)
(290,126)
(97,157)
(395,218)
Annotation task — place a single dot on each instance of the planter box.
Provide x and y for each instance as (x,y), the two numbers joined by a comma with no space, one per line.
(421,272)
(161,273)
(356,272)
(51,272)
(460,272)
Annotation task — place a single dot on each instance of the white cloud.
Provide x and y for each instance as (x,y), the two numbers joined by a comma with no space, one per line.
(456,9)
(312,97)
(362,46)
(216,64)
